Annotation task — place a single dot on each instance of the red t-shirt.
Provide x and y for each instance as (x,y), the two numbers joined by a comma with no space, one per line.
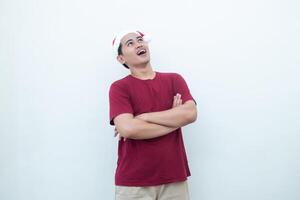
(152,161)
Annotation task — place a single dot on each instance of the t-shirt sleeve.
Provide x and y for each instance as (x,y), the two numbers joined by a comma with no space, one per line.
(181,87)
(119,102)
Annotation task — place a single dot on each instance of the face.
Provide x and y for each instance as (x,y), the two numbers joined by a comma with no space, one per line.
(135,51)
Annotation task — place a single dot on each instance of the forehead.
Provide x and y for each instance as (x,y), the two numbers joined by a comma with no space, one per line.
(129,36)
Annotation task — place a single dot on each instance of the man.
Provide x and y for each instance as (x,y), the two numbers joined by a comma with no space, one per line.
(148,109)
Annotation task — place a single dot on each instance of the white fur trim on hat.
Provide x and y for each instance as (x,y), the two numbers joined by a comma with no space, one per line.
(117,40)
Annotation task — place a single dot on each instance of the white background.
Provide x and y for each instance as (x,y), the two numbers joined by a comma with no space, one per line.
(240,59)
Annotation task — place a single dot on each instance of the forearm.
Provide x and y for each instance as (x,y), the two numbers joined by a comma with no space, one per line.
(175,117)
(144,130)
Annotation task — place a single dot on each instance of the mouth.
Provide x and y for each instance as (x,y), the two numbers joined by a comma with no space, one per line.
(141,52)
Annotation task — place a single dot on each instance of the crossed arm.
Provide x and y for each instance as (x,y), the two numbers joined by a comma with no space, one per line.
(156,124)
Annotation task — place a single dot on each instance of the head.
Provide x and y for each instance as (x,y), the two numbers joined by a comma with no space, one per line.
(132,49)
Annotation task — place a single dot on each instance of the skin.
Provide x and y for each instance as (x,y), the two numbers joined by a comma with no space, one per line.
(154,124)
(139,66)
(177,101)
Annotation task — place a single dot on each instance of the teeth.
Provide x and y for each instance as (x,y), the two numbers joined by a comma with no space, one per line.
(141,51)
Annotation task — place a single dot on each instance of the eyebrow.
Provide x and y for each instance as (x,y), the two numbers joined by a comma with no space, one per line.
(128,41)
(138,37)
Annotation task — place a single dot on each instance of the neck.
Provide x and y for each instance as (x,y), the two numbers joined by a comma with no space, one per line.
(143,72)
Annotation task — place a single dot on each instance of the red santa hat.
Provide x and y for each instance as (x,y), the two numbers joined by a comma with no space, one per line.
(117,40)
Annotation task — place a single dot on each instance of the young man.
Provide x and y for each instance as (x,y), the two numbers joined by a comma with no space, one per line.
(148,109)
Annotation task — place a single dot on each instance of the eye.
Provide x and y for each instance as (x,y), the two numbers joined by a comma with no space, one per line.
(140,40)
(129,44)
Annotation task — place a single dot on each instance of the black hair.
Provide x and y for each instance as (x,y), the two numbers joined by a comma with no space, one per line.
(121,53)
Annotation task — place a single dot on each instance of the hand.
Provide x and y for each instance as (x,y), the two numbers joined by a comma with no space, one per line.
(120,137)
(177,101)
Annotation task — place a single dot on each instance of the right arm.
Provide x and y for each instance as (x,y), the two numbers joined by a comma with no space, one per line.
(133,128)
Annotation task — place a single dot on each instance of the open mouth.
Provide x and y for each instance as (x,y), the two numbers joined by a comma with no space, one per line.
(141,52)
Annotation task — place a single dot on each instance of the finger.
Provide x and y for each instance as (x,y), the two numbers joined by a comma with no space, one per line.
(174,101)
(179,96)
(180,102)
(177,99)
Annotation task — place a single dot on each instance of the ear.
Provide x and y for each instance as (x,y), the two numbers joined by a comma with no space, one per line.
(121,59)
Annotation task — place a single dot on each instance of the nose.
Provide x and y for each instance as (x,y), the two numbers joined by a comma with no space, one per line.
(138,45)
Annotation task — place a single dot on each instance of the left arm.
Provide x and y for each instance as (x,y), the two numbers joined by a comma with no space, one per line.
(178,116)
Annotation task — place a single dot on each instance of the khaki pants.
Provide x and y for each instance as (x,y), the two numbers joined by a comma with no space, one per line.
(170,191)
